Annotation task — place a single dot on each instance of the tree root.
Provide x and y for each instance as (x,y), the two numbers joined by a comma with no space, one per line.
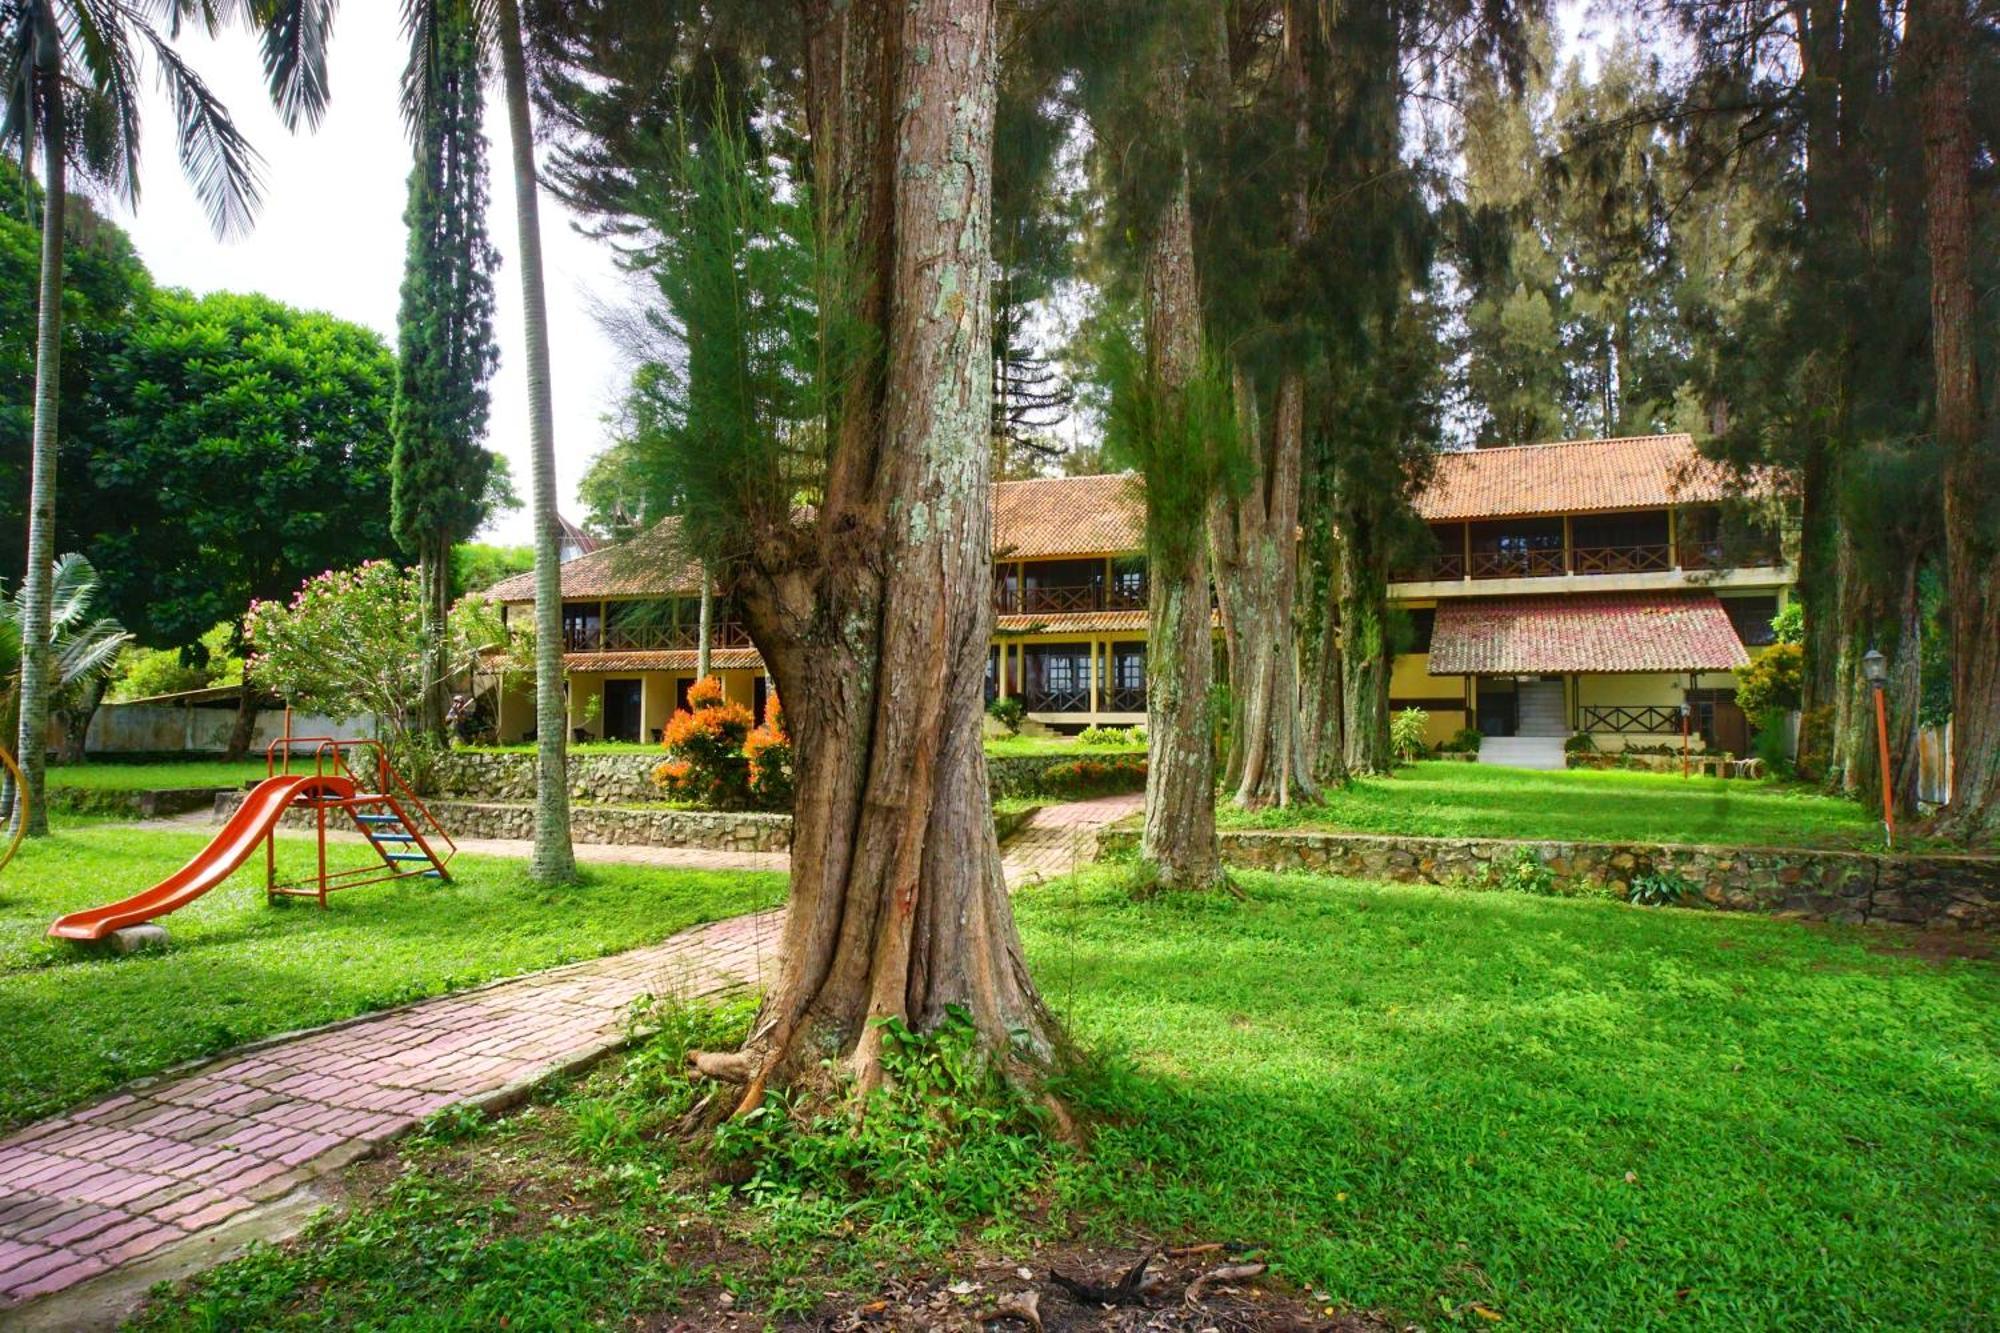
(1226,1273)
(1026,1307)
(736,1067)
(1130,1290)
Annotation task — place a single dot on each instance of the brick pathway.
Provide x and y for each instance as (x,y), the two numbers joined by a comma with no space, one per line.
(158,1167)
(1059,838)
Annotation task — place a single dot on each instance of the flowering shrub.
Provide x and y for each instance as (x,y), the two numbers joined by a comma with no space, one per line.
(704,741)
(769,750)
(1094,777)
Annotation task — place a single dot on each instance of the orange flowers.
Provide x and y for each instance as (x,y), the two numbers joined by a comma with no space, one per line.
(717,757)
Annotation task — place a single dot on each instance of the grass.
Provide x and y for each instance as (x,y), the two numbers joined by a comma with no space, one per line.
(164,775)
(1451,800)
(238,969)
(1016,747)
(1456,1108)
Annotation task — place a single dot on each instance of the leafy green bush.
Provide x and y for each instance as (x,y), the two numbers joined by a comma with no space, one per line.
(1524,873)
(1008,712)
(945,1141)
(1661,888)
(1776,679)
(1111,736)
(1466,740)
(1790,624)
(1581,742)
(1406,734)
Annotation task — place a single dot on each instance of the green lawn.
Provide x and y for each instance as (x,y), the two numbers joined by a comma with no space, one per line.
(1451,800)
(75,1026)
(1568,1114)
(1008,747)
(163,775)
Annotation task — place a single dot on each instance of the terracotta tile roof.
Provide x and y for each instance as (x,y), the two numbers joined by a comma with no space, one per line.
(1572,477)
(1049,516)
(1072,622)
(675,659)
(649,565)
(1068,516)
(1584,632)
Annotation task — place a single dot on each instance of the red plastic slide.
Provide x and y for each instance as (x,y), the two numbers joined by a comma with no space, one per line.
(246,828)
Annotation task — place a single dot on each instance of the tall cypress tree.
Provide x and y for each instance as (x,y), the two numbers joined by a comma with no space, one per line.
(446,351)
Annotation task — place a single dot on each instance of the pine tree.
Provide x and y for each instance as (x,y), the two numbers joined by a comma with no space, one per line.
(446,350)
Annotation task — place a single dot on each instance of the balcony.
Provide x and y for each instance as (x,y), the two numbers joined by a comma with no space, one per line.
(591,638)
(1588,546)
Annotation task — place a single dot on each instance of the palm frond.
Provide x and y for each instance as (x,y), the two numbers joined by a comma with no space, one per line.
(423,25)
(72,588)
(296,36)
(107,108)
(85,653)
(219,162)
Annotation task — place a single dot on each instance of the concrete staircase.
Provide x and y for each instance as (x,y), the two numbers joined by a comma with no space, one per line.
(1543,752)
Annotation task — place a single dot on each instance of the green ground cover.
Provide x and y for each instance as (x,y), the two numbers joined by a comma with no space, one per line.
(1007,747)
(1451,800)
(1454,1108)
(75,1025)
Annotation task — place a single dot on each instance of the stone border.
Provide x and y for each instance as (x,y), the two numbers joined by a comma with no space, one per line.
(133,803)
(624,825)
(1940,892)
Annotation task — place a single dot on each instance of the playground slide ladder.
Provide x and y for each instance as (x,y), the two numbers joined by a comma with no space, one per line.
(406,837)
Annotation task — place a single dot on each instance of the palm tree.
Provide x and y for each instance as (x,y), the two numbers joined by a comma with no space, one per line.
(79,649)
(69,71)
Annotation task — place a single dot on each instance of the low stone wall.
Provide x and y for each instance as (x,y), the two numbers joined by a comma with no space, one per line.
(1712,766)
(627,778)
(1940,892)
(629,825)
(610,779)
(152,804)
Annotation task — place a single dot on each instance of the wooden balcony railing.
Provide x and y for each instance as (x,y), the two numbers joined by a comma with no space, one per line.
(1048,699)
(656,638)
(1622,559)
(1125,699)
(1713,555)
(1650,720)
(1517,564)
(1444,565)
(1066,599)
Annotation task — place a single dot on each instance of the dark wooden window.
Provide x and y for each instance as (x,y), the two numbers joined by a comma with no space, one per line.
(1423,623)
(1752,618)
(1058,677)
(1128,679)
(583,627)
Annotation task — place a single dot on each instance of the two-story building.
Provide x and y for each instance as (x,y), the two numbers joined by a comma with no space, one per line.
(1589,586)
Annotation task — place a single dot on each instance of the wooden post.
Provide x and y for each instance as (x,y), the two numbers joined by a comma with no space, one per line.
(1686,710)
(1465,551)
(1882,754)
(1569,547)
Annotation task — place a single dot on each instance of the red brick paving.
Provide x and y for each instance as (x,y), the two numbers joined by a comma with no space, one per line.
(122,1178)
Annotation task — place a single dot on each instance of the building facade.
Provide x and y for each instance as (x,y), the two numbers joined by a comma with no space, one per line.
(1588,586)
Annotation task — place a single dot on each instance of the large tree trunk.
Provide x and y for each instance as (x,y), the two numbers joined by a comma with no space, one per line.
(38,581)
(1253,537)
(434,588)
(1364,653)
(705,631)
(76,721)
(1179,838)
(876,625)
(1942,35)
(1322,720)
(554,859)
(244,729)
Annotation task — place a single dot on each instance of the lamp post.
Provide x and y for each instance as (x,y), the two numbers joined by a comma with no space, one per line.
(1685,712)
(1875,668)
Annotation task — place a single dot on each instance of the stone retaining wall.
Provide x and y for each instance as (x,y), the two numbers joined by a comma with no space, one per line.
(1941,892)
(627,778)
(638,826)
(149,804)
(610,779)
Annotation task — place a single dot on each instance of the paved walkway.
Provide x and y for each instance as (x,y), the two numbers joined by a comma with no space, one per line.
(148,1183)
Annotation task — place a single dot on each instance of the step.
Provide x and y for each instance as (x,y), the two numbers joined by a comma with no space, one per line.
(390,835)
(405,856)
(379,819)
(1537,752)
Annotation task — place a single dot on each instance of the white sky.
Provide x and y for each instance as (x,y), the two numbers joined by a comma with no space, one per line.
(330,234)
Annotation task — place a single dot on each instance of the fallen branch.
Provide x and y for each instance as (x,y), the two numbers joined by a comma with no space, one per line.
(1129,1291)
(1226,1273)
(1026,1307)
